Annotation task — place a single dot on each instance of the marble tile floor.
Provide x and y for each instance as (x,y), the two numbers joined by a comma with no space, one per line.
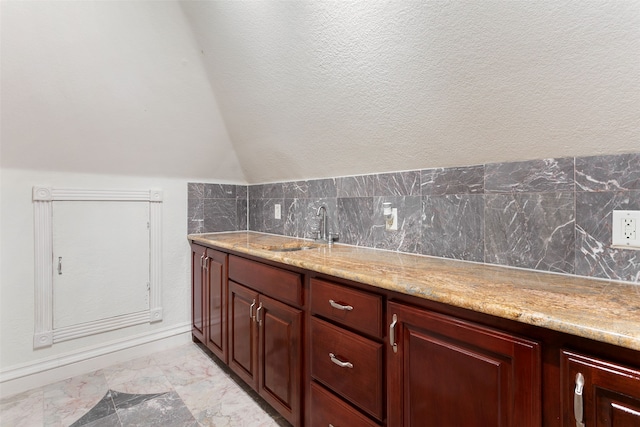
(179,387)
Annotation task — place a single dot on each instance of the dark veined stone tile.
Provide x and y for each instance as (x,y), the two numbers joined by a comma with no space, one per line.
(533,176)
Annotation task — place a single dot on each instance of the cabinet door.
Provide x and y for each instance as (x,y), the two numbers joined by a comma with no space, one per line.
(280,354)
(242,333)
(215,272)
(448,372)
(198,298)
(610,395)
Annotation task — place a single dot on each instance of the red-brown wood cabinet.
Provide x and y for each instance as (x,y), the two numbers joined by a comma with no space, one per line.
(443,371)
(265,335)
(208,302)
(599,393)
(355,355)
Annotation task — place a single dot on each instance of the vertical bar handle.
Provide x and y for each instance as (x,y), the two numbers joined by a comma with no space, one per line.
(206,263)
(202,261)
(392,334)
(251,315)
(258,311)
(578,410)
(59,265)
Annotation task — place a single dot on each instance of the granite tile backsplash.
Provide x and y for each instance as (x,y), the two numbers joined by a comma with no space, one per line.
(216,207)
(551,214)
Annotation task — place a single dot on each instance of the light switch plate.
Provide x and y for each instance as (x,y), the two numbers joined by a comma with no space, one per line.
(393,226)
(625,230)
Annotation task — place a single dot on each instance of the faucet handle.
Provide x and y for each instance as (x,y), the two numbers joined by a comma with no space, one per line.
(333,237)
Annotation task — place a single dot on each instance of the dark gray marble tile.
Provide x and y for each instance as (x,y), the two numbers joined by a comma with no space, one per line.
(407,237)
(296,189)
(219,191)
(608,173)
(220,215)
(242,215)
(355,220)
(242,191)
(261,216)
(165,410)
(126,400)
(267,191)
(322,188)
(109,421)
(532,230)
(547,175)
(102,412)
(453,226)
(195,190)
(594,255)
(460,180)
(301,216)
(355,186)
(397,184)
(195,215)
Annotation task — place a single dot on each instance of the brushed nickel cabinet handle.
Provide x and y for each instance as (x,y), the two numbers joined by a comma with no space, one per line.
(578,410)
(340,306)
(258,311)
(392,334)
(202,261)
(339,362)
(206,263)
(59,265)
(251,315)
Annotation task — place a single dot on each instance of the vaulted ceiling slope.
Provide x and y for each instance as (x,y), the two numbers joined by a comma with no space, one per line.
(316,88)
(108,87)
(260,91)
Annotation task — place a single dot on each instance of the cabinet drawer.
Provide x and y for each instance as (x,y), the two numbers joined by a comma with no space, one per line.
(282,285)
(359,380)
(329,410)
(351,307)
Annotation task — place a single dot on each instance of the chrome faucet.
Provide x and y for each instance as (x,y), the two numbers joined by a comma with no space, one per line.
(323,234)
(322,228)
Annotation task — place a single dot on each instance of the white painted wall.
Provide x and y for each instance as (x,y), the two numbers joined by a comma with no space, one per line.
(322,88)
(101,95)
(17,259)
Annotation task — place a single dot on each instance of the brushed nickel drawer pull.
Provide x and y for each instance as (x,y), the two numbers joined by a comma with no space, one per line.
(339,362)
(577,400)
(202,261)
(59,265)
(206,263)
(392,334)
(340,306)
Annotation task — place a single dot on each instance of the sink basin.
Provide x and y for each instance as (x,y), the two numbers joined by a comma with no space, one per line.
(291,248)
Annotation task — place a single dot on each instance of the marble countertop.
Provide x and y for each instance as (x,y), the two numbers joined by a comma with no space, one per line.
(605,311)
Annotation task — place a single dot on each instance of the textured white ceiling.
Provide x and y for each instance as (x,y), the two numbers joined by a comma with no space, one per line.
(315,88)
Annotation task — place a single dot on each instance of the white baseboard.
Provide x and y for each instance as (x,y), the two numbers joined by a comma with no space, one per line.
(19,378)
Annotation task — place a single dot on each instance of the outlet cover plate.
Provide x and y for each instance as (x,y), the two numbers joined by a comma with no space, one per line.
(625,230)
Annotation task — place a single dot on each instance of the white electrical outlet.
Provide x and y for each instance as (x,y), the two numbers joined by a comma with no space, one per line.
(277,211)
(625,232)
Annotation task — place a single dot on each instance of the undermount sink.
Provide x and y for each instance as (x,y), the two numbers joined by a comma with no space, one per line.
(291,248)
